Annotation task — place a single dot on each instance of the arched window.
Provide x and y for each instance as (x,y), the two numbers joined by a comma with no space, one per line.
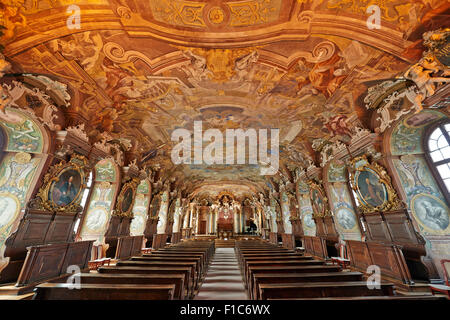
(437,145)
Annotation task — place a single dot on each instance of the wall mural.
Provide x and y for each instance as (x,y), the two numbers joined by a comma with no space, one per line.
(424,198)
(286,212)
(336,172)
(309,226)
(104,171)
(140,209)
(345,217)
(406,137)
(161,226)
(23,134)
(98,212)
(17,170)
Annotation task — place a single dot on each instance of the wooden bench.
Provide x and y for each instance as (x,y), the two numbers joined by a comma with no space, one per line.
(262,278)
(287,269)
(162,264)
(185,271)
(276,263)
(151,278)
(322,290)
(198,263)
(62,291)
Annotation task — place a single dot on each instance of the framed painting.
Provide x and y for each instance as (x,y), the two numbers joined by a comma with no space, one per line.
(372,187)
(67,187)
(126,199)
(64,185)
(319,201)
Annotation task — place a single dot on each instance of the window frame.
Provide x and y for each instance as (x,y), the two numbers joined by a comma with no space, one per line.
(431,164)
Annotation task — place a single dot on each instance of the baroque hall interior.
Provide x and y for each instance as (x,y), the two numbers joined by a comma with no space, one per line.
(295,149)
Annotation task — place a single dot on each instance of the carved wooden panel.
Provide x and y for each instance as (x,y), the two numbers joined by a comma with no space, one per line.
(50,261)
(390,260)
(330,228)
(61,229)
(307,244)
(124,227)
(359,254)
(401,228)
(297,228)
(376,228)
(320,227)
(318,248)
(288,240)
(273,237)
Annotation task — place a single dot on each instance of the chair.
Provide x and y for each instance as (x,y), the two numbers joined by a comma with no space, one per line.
(441,288)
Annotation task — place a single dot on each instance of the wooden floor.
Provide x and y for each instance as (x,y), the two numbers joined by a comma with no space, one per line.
(223,280)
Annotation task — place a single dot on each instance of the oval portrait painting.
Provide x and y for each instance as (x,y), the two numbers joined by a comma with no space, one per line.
(371,191)
(9,209)
(431,213)
(66,188)
(127,200)
(345,218)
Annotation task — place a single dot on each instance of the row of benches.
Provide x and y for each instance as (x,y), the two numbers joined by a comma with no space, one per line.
(272,272)
(168,273)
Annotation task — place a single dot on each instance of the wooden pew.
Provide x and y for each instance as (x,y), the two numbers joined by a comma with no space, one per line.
(322,290)
(62,291)
(150,278)
(276,263)
(185,271)
(198,265)
(162,264)
(253,270)
(262,278)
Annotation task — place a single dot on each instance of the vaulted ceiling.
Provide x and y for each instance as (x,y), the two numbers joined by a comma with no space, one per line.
(137,70)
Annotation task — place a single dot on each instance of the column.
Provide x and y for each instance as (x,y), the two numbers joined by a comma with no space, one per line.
(236,221)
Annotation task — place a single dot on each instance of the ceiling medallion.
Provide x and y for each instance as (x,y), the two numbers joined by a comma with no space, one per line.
(216,15)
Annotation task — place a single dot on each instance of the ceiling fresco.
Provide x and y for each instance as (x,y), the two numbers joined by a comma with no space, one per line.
(138,70)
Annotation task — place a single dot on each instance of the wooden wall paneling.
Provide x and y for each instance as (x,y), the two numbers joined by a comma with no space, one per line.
(376,228)
(288,240)
(359,254)
(390,260)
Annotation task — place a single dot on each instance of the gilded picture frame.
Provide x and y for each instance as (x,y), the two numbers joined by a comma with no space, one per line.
(64,185)
(372,186)
(319,200)
(125,200)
